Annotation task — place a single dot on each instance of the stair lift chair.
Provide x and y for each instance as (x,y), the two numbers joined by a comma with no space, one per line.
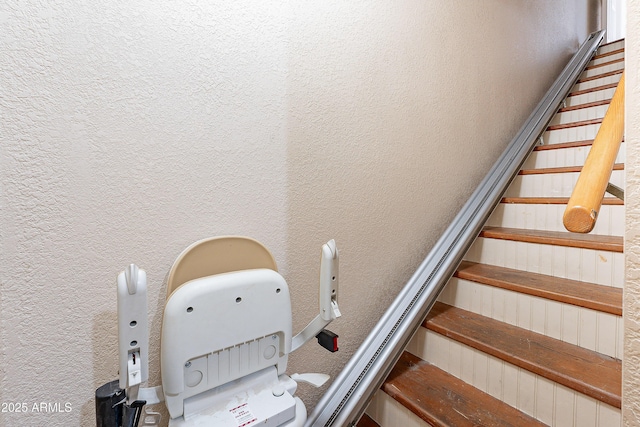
(227,334)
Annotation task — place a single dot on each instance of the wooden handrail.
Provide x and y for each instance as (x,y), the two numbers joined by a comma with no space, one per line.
(583,207)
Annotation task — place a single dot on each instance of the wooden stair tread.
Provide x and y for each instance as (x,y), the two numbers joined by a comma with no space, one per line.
(367,421)
(611,201)
(585,371)
(589,295)
(443,400)
(563,169)
(561,145)
(575,124)
(574,240)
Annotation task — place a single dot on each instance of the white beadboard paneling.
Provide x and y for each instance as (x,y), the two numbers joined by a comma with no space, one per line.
(588,324)
(588,264)
(564,414)
(552,184)
(570,323)
(511,307)
(601,81)
(605,59)
(455,358)
(549,218)
(608,415)
(499,304)
(578,133)
(590,97)
(586,411)
(387,412)
(538,315)
(525,316)
(494,377)
(590,113)
(467,356)
(598,71)
(606,332)
(610,47)
(545,400)
(418,344)
(510,384)
(527,392)
(553,319)
(480,369)
(567,262)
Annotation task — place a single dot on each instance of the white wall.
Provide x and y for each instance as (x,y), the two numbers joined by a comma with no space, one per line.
(631,368)
(131,129)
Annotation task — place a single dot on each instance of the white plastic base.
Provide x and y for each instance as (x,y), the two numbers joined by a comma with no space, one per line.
(261,398)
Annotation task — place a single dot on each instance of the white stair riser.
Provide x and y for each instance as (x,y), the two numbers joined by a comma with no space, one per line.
(549,402)
(597,82)
(594,72)
(590,329)
(619,44)
(605,59)
(549,218)
(590,97)
(552,184)
(564,157)
(579,115)
(577,133)
(587,265)
(387,412)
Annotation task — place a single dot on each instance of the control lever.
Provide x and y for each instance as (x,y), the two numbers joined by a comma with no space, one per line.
(329,309)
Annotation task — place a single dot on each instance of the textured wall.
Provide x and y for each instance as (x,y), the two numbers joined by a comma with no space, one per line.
(631,357)
(131,129)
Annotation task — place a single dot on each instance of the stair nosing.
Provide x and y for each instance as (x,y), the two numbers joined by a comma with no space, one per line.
(585,105)
(563,145)
(563,169)
(573,240)
(607,201)
(584,363)
(574,124)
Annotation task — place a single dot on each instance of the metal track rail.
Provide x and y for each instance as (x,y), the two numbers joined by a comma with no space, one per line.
(347,398)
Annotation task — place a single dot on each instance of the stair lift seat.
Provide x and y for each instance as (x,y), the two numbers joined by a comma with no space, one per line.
(226,336)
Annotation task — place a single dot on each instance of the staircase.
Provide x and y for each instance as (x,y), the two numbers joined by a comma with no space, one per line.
(529,330)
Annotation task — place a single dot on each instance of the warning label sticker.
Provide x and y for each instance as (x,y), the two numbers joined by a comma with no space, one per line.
(243,415)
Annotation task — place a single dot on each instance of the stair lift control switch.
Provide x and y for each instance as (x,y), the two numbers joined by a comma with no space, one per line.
(329,309)
(329,281)
(133,333)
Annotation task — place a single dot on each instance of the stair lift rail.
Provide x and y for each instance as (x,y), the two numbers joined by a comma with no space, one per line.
(347,398)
